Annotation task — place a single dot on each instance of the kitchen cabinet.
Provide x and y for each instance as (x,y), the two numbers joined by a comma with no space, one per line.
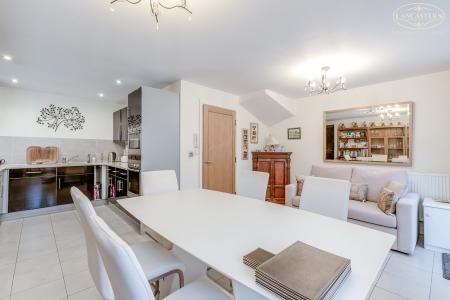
(31,189)
(117,182)
(278,165)
(81,177)
(120,123)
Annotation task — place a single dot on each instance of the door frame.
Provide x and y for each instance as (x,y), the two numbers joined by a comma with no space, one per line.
(210,108)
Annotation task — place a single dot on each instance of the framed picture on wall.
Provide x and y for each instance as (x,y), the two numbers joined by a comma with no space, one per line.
(294,133)
(254,133)
(244,145)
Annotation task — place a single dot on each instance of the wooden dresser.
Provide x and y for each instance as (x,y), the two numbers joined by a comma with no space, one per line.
(278,165)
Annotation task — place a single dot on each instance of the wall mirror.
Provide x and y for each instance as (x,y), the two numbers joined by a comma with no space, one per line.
(379,134)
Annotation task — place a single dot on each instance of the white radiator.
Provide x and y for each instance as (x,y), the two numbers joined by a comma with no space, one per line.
(436,186)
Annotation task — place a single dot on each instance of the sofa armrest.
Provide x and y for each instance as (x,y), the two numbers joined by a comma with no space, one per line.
(290,191)
(407,222)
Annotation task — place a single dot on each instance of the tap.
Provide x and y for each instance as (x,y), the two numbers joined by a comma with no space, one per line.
(65,160)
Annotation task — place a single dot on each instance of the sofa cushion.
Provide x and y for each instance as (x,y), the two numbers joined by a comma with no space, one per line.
(358,192)
(344,173)
(370,213)
(388,201)
(377,179)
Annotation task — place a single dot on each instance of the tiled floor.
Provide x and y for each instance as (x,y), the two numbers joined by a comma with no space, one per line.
(45,258)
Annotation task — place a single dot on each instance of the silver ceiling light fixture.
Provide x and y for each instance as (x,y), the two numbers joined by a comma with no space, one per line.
(325,86)
(156,7)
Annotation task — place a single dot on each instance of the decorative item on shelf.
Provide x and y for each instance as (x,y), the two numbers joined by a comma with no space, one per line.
(325,85)
(156,7)
(383,124)
(364,124)
(294,133)
(254,133)
(372,124)
(244,144)
(272,144)
(341,126)
(399,123)
(53,116)
(134,123)
(354,124)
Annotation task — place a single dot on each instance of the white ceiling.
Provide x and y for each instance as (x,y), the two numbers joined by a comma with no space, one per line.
(79,47)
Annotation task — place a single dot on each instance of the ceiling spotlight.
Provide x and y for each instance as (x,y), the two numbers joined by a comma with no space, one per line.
(14,80)
(112,9)
(7,57)
(101,95)
(118,82)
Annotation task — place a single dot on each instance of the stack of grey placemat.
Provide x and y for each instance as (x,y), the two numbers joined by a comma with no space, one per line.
(255,258)
(303,272)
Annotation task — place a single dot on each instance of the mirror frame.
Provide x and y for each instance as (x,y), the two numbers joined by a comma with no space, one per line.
(393,164)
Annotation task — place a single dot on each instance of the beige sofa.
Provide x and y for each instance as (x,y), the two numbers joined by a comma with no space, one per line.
(404,224)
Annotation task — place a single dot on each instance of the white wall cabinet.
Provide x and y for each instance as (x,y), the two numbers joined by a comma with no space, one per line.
(436,224)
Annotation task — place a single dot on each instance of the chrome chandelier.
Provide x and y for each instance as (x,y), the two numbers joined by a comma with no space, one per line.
(156,7)
(325,86)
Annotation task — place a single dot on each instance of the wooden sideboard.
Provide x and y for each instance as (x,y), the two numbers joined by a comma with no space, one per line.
(278,165)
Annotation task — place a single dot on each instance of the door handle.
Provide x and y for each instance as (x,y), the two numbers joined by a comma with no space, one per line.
(33,172)
(59,183)
(207,162)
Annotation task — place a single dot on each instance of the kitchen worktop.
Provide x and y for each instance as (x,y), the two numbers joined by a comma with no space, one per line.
(119,165)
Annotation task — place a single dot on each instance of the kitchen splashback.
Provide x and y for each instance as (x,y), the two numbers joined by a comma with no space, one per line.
(13,149)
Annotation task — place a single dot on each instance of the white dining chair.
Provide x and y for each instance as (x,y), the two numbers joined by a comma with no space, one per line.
(156,261)
(158,182)
(128,278)
(253,184)
(326,196)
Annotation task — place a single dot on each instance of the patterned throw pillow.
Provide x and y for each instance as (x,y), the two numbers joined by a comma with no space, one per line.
(300,182)
(359,192)
(388,201)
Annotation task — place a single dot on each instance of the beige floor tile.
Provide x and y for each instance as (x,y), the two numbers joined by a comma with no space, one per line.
(89,294)
(8,253)
(380,294)
(69,253)
(75,265)
(78,282)
(422,258)
(409,272)
(36,246)
(400,285)
(37,271)
(440,288)
(55,290)
(6,279)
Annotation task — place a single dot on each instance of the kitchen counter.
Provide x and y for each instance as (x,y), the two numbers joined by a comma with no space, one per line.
(119,165)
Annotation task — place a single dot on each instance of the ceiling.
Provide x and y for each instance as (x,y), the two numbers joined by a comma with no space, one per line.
(79,47)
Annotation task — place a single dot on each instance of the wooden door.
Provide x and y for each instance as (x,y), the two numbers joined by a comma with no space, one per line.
(219,151)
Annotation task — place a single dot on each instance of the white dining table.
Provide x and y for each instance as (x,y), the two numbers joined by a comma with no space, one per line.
(218,229)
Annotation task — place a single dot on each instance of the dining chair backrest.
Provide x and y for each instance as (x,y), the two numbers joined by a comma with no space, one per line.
(253,184)
(158,182)
(125,272)
(326,196)
(97,269)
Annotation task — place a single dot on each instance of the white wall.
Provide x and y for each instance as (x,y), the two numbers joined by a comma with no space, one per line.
(192,98)
(19,110)
(431,97)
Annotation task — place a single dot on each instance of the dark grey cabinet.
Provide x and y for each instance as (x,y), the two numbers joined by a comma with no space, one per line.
(117,182)
(120,123)
(81,177)
(46,187)
(31,189)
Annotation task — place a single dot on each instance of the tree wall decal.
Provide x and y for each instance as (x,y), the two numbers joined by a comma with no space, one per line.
(53,116)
